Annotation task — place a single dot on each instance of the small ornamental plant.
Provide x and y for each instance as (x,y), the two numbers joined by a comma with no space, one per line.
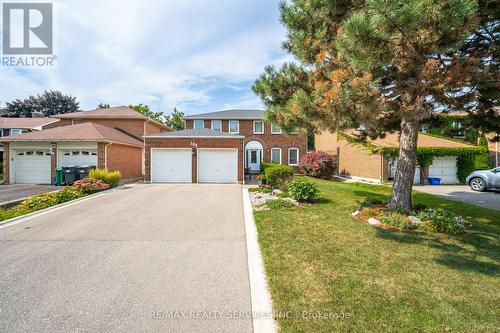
(89,185)
(303,190)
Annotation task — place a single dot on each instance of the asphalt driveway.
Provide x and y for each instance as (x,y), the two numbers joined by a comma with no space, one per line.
(462,193)
(142,258)
(9,193)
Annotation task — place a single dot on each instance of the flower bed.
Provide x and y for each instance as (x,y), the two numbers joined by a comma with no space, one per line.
(37,202)
(435,220)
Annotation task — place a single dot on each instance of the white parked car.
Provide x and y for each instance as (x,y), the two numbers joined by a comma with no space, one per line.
(482,180)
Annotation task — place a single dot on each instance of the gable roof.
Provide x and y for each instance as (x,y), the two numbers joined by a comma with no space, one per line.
(194,133)
(87,131)
(115,112)
(229,114)
(25,123)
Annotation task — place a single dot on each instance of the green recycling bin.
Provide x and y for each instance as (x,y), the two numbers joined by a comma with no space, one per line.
(59,177)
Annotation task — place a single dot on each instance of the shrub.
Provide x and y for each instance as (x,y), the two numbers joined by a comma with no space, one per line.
(440,220)
(89,185)
(318,164)
(302,190)
(110,177)
(278,175)
(39,201)
(67,194)
(396,219)
(279,204)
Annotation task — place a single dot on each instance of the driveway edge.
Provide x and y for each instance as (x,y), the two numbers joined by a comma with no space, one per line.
(27,217)
(262,309)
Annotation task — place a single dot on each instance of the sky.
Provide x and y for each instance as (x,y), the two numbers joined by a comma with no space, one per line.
(196,55)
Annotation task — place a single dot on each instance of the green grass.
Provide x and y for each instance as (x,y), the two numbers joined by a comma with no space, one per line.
(319,258)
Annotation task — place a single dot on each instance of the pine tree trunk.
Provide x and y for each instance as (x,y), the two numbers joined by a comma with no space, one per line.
(405,169)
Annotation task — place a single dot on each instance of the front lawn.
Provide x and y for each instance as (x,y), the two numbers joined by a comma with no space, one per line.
(321,260)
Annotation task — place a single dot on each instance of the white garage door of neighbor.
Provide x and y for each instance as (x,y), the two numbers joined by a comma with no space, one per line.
(78,157)
(32,166)
(218,166)
(444,168)
(171,165)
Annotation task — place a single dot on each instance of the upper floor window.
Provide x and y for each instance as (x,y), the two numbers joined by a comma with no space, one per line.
(457,125)
(294,131)
(258,127)
(199,123)
(234,126)
(293,156)
(217,125)
(275,129)
(276,155)
(15,131)
(1,132)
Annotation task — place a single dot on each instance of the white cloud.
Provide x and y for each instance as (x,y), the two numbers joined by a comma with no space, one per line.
(162,53)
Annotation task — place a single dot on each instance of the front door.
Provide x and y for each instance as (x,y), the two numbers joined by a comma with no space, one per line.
(254,157)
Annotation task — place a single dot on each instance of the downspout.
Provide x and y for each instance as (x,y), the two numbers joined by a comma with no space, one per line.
(496,153)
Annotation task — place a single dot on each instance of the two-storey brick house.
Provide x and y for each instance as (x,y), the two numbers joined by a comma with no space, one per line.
(219,146)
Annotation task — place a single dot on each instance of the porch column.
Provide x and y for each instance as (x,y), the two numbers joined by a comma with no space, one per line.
(53,160)
(6,163)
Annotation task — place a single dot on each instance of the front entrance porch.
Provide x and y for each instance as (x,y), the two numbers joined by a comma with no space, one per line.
(253,156)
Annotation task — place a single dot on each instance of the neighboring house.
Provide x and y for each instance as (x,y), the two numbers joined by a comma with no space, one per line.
(217,147)
(358,162)
(15,126)
(107,138)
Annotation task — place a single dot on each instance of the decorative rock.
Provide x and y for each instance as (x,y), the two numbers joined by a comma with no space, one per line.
(415,220)
(356,213)
(276,192)
(373,221)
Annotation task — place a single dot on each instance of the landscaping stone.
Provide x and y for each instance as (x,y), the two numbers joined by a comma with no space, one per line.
(373,221)
(356,213)
(415,220)
(259,199)
(276,192)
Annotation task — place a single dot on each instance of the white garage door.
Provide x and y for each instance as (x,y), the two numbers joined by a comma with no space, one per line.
(171,165)
(444,168)
(217,166)
(78,157)
(32,166)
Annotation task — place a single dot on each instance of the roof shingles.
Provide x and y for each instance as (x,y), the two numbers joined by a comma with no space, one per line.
(80,132)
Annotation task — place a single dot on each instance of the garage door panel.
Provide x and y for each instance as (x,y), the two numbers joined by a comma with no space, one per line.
(78,157)
(171,166)
(32,166)
(444,168)
(218,166)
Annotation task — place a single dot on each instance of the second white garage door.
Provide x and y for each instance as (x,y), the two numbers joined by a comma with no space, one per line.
(217,165)
(444,168)
(171,165)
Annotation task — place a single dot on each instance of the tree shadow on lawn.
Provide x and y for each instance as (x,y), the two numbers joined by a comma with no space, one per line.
(465,252)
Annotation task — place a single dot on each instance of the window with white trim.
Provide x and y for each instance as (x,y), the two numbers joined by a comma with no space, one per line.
(198,123)
(15,131)
(234,126)
(276,155)
(258,127)
(293,156)
(217,125)
(275,129)
(294,131)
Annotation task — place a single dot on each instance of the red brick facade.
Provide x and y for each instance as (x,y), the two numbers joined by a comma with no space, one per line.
(268,140)
(187,143)
(126,159)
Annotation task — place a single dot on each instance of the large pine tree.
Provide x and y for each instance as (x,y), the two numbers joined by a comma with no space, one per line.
(375,62)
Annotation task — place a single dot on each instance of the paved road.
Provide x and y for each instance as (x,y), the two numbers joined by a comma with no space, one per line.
(463,193)
(122,261)
(20,191)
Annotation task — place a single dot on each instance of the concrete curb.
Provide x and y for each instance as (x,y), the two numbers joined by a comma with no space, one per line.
(27,217)
(262,309)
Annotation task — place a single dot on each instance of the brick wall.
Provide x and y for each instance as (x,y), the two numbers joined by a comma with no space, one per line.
(126,159)
(62,122)
(101,155)
(134,127)
(186,143)
(268,140)
(357,161)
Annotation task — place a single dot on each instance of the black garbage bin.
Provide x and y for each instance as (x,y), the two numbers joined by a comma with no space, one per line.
(70,174)
(83,170)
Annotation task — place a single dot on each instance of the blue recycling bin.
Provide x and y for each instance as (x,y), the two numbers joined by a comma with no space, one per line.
(434,181)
